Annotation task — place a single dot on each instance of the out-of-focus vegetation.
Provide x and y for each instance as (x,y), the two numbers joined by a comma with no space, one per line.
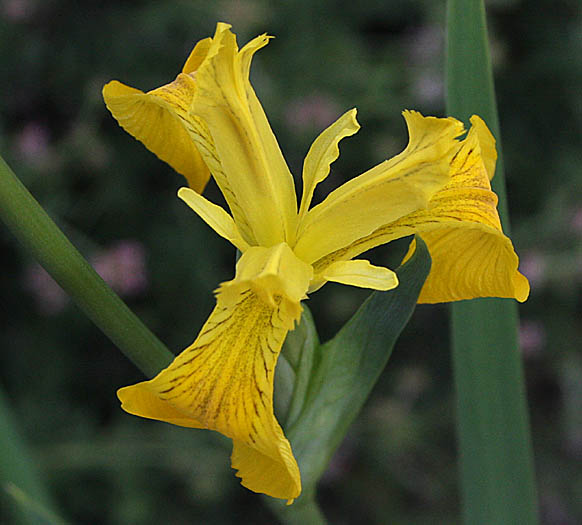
(117,203)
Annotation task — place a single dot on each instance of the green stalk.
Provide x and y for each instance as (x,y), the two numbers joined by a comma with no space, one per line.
(496,466)
(48,245)
(20,483)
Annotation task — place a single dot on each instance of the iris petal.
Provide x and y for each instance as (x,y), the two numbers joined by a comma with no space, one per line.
(224,380)
(385,193)
(322,153)
(256,172)
(471,255)
(160,119)
(218,219)
(361,273)
(468,261)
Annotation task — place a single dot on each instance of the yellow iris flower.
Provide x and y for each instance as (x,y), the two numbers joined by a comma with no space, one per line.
(210,121)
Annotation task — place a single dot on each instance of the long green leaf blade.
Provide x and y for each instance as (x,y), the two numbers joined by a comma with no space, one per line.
(18,474)
(342,373)
(349,365)
(496,465)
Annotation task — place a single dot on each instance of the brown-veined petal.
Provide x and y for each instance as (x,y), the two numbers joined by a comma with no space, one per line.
(160,120)
(471,257)
(257,174)
(383,194)
(224,380)
(471,260)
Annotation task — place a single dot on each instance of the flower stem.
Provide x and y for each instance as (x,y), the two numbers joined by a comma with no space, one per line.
(31,225)
(496,466)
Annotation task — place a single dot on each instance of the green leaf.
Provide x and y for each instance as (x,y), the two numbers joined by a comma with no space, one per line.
(30,501)
(294,369)
(348,366)
(333,380)
(497,479)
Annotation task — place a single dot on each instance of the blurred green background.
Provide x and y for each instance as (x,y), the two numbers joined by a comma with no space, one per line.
(117,203)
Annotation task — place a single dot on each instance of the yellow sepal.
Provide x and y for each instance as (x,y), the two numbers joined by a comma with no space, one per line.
(160,120)
(471,257)
(469,261)
(385,193)
(224,380)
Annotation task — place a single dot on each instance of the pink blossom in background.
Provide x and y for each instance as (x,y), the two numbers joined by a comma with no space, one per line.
(50,297)
(532,337)
(17,10)
(121,266)
(425,50)
(533,265)
(426,44)
(428,87)
(411,383)
(33,143)
(312,112)
(576,221)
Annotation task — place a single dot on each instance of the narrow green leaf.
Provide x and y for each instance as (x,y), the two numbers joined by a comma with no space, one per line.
(296,362)
(496,466)
(36,231)
(348,366)
(18,474)
(38,513)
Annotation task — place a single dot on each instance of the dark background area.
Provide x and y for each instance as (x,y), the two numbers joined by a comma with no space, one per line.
(117,203)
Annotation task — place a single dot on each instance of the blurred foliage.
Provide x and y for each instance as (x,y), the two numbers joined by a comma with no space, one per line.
(398,462)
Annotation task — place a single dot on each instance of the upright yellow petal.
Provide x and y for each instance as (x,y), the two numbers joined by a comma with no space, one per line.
(395,188)
(471,257)
(322,153)
(205,143)
(257,174)
(224,380)
(160,120)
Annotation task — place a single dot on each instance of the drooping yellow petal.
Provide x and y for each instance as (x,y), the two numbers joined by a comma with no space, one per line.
(395,188)
(468,261)
(361,273)
(224,380)
(257,174)
(218,219)
(471,257)
(160,120)
(322,153)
